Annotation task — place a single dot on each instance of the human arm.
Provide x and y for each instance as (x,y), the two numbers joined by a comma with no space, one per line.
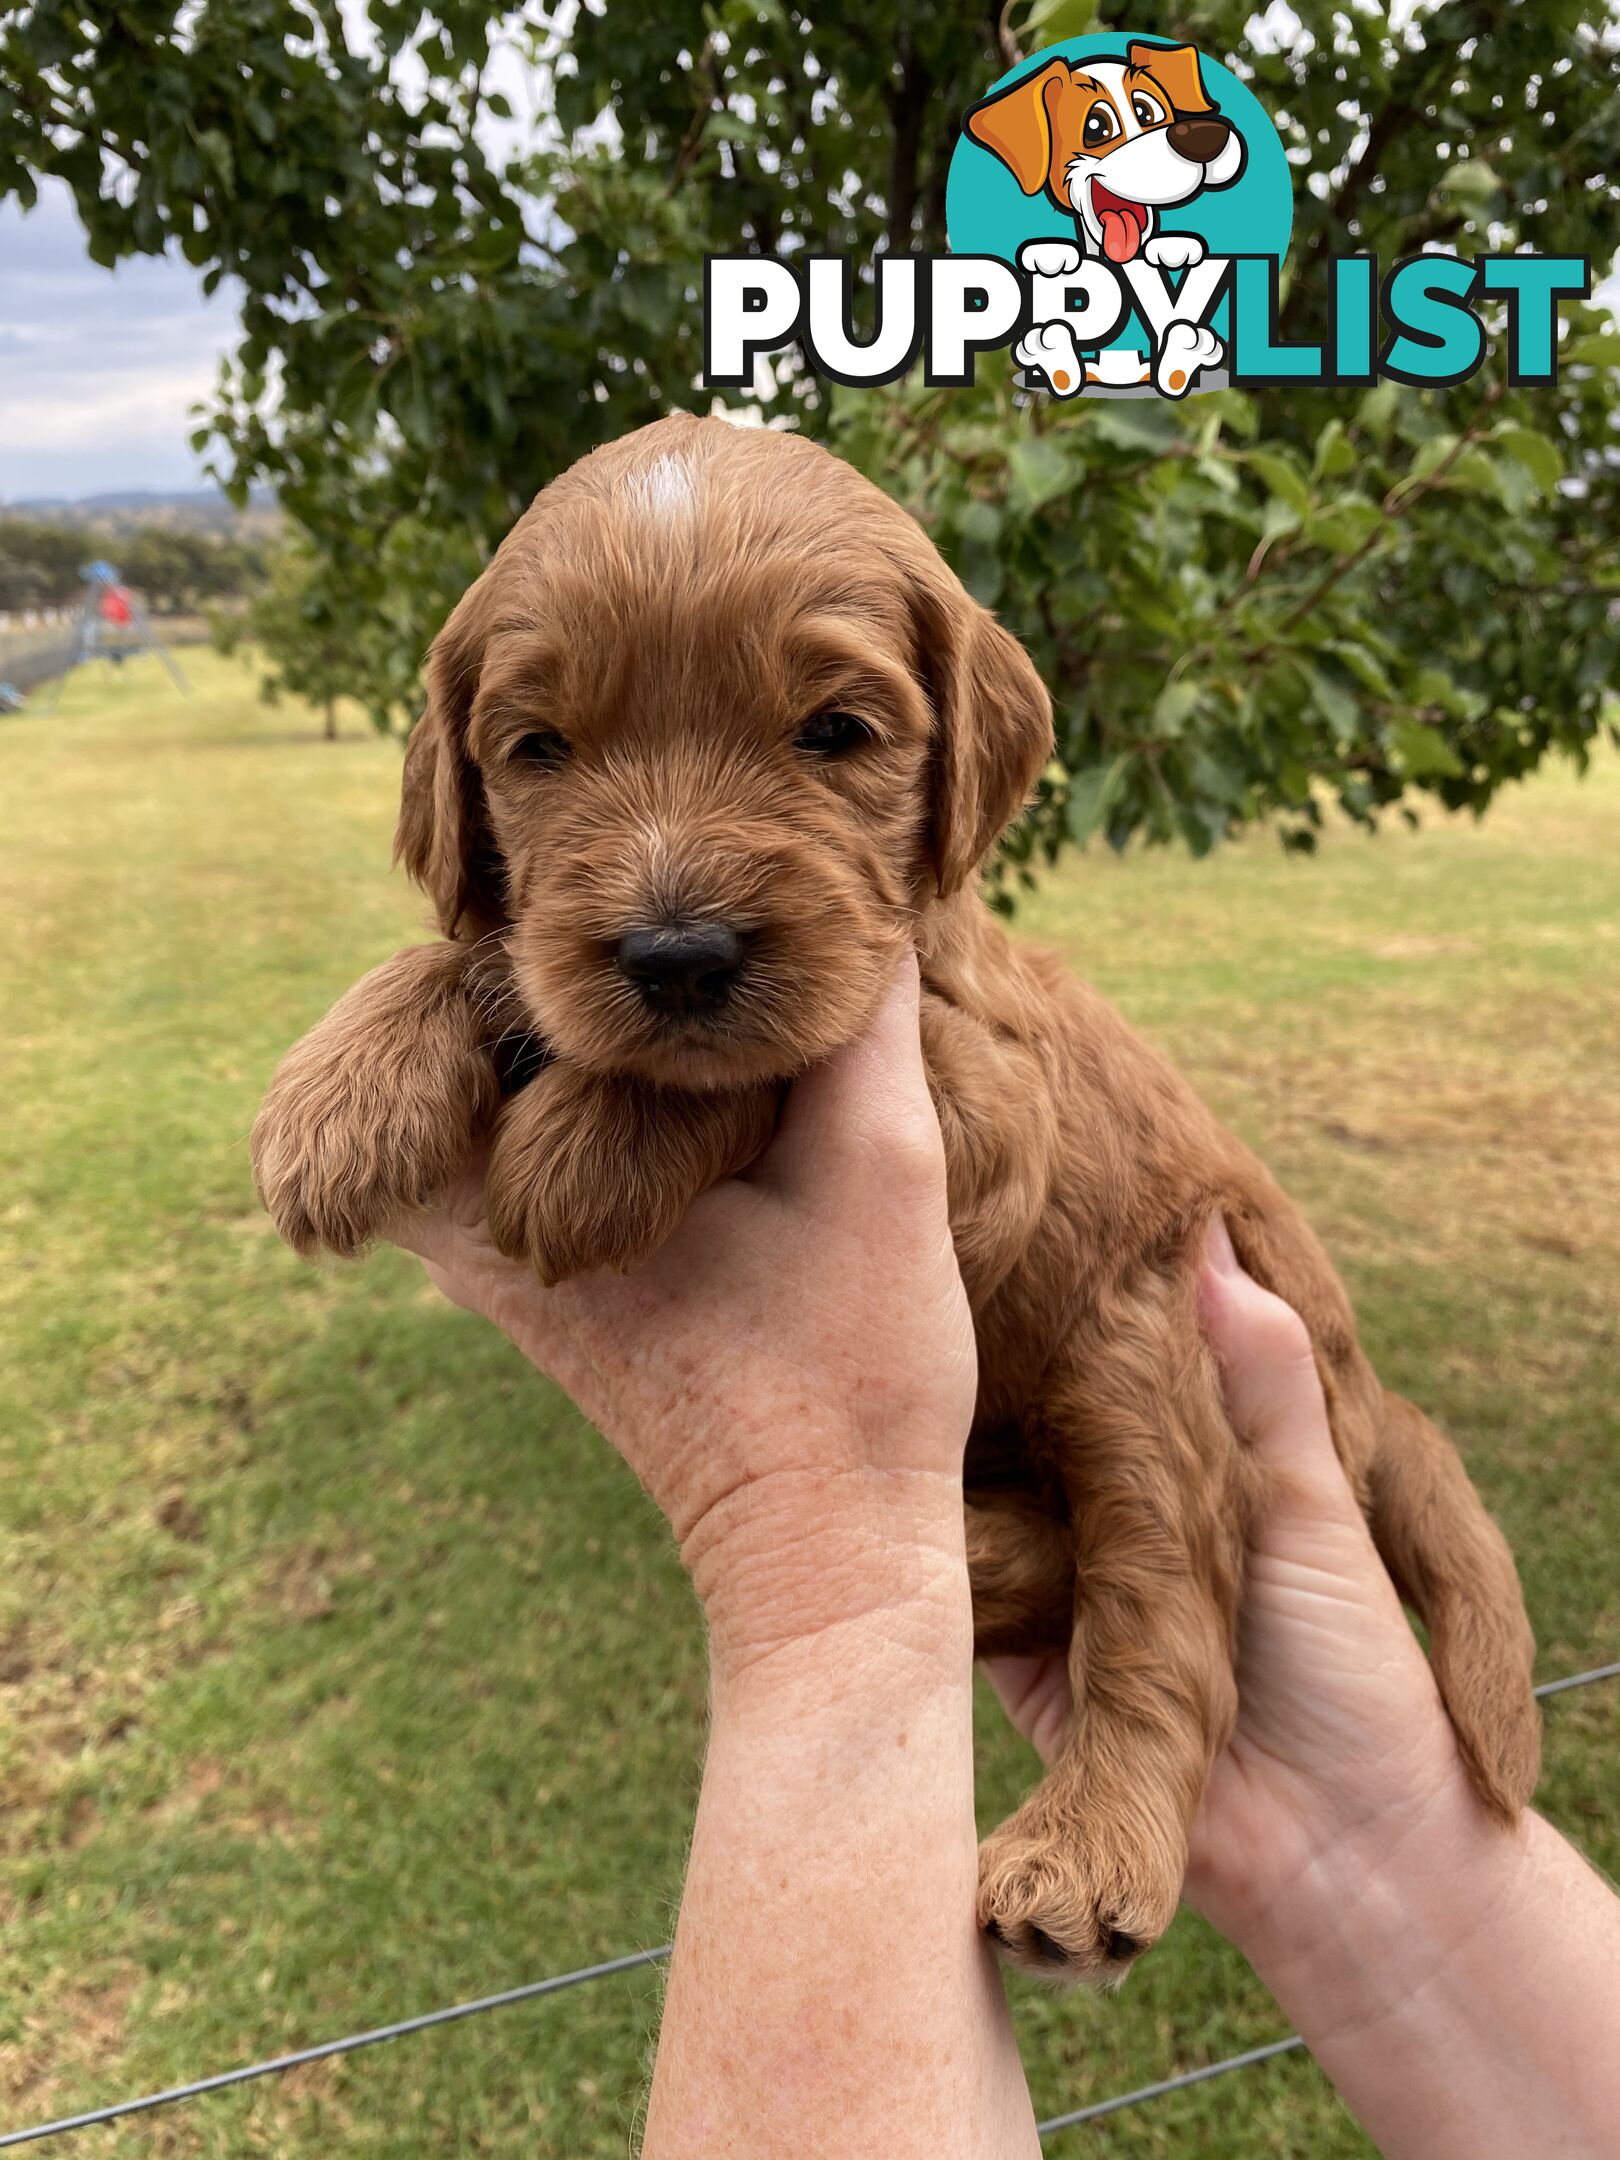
(792,1378)
(1458,1981)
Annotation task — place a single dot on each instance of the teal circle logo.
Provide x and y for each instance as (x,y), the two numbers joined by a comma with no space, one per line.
(1122,174)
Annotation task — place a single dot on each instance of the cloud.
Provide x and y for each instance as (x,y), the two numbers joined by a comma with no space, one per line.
(99,368)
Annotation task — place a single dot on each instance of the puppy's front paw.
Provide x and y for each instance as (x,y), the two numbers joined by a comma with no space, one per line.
(551,1203)
(376,1109)
(1049,258)
(1174,251)
(588,1172)
(1075,1901)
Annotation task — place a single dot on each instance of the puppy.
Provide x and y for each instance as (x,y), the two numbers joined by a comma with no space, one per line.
(1114,142)
(715,736)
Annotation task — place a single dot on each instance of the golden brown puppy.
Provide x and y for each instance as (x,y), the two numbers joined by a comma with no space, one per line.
(713,737)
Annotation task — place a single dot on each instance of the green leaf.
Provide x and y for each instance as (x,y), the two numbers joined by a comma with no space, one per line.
(1336,704)
(1049,21)
(1277,518)
(216,148)
(1469,179)
(1345,524)
(1092,794)
(981,521)
(1423,751)
(1335,453)
(1431,456)
(1368,669)
(1537,453)
(1041,468)
(1174,705)
(1132,423)
(1375,414)
(1282,476)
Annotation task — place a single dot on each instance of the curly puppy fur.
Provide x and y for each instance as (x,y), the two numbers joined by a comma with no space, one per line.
(613,742)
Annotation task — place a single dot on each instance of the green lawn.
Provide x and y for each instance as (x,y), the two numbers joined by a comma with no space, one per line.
(344,1672)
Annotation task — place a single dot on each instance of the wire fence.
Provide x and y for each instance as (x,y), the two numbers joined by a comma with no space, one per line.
(351,2043)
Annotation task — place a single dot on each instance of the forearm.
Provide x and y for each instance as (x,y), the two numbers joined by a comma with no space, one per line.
(830,1993)
(1460,1990)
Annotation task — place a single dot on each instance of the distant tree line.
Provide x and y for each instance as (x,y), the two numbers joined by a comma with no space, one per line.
(175,571)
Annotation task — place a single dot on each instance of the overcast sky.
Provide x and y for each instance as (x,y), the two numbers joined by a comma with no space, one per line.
(98,368)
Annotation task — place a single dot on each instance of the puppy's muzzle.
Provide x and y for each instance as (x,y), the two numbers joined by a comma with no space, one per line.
(1201,140)
(682,970)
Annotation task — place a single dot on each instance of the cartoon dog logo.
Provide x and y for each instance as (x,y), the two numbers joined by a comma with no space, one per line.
(1113,143)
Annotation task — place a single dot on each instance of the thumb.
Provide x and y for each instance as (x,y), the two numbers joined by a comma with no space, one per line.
(864,1118)
(1269,1380)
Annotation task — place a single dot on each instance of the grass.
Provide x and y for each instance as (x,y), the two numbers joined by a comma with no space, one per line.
(343,1670)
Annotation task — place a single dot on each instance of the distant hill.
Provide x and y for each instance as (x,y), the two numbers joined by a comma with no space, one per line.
(124,509)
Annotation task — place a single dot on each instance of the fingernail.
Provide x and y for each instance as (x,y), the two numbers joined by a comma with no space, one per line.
(1218,1252)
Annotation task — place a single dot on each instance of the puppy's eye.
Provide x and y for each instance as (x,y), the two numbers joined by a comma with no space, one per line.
(544,747)
(1146,109)
(832,735)
(1100,127)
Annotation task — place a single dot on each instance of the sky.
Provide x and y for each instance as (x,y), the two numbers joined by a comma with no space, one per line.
(98,368)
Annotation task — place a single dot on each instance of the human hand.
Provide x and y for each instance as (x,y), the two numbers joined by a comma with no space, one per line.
(792,1375)
(1341,1748)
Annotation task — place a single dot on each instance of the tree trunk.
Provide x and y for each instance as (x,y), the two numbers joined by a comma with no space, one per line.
(331,720)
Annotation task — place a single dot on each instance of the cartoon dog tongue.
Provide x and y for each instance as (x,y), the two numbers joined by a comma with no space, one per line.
(1121,234)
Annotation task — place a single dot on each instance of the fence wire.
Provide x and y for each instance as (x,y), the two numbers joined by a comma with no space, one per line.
(222,2080)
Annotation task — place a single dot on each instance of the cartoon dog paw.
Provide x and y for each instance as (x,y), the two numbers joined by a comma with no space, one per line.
(1049,258)
(1175,251)
(1051,349)
(1186,348)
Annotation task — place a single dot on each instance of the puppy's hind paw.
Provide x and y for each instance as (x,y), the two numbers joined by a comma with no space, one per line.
(1050,350)
(1186,349)
(1057,1915)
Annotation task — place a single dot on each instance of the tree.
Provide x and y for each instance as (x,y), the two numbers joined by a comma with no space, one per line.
(292,625)
(1238,603)
(179,570)
(39,563)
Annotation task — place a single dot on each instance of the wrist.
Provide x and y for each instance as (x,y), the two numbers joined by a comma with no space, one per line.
(1386,1914)
(801,1555)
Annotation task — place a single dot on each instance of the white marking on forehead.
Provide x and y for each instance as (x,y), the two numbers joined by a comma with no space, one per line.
(664,489)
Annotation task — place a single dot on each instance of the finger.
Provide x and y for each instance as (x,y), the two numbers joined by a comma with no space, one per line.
(1269,1380)
(451,1226)
(863,1123)
(1036,1695)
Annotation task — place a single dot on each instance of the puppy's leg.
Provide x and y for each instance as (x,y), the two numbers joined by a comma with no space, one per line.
(1021,1569)
(1089,1870)
(588,1172)
(378,1107)
(1452,1565)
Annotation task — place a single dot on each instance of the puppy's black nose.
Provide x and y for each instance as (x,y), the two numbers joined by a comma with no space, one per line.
(1202,138)
(682,967)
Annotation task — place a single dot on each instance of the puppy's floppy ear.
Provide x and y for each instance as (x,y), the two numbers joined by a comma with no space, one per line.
(443,836)
(992,726)
(1016,123)
(1176,71)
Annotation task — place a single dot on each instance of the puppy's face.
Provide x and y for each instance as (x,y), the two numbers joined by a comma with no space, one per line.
(1113,141)
(685,754)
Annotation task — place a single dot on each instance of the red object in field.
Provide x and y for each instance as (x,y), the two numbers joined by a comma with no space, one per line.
(115,605)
